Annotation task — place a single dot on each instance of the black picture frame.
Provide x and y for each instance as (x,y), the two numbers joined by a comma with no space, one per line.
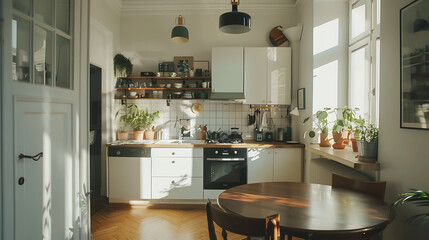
(414,62)
(300,97)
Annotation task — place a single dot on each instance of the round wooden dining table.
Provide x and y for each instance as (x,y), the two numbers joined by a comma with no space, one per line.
(310,211)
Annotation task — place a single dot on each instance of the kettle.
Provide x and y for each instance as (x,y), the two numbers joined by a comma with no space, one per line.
(280,134)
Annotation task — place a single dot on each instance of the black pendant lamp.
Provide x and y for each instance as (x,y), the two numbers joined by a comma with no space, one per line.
(234,22)
(180,33)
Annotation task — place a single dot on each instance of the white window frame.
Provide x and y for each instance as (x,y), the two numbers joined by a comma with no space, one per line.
(368,37)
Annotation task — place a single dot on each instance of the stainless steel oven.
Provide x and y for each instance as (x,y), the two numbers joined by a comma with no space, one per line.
(224,167)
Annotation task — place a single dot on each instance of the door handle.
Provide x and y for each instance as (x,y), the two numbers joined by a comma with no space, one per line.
(35,157)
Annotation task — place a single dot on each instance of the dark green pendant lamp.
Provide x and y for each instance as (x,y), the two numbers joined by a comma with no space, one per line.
(234,22)
(180,33)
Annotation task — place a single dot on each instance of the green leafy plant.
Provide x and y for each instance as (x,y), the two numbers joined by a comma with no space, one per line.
(122,65)
(419,218)
(357,126)
(367,132)
(348,117)
(320,120)
(138,119)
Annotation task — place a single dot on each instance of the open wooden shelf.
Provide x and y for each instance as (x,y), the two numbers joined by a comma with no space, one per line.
(161,99)
(169,78)
(158,88)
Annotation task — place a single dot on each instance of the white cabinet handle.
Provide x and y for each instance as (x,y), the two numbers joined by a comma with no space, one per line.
(173,153)
(275,152)
(173,182)
(269,152)
(173,161)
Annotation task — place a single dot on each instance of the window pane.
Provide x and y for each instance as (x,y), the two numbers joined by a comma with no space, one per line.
(42,61)
(377,79)
(22,6)
(20,49)
(325,86)
(358,20)
(325,36)
(63,78)
(378,11)
(63,15)
(359,80)
(43,11)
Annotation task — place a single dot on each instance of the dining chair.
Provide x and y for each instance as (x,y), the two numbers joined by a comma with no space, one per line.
(375,189)
(268,227)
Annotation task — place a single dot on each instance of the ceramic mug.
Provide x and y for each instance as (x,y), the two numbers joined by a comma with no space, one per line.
(173,74)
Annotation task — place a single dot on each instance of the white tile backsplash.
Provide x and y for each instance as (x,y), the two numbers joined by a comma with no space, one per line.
(215,114)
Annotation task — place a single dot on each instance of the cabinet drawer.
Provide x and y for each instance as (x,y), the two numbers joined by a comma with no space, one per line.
(177,188)
(177,152)
(177,167)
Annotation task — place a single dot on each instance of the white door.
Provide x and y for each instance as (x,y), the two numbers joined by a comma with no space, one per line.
(259,165)
(44,109)
(255,75)
(44,188)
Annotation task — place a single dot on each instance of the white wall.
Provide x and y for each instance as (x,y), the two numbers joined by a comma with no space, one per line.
(104,43)
(145,38)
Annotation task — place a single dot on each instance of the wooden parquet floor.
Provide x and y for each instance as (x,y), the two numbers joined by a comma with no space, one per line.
(153,222)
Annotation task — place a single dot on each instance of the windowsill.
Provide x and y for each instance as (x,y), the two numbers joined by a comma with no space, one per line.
(344,156)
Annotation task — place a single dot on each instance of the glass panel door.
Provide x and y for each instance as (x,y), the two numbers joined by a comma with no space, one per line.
(42,56)
(21,49)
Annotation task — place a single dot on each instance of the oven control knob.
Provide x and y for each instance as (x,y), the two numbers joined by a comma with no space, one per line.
(118,152)
(235,152)
(216,152)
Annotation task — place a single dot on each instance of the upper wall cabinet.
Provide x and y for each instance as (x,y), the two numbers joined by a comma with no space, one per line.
(227,73)
(267,75)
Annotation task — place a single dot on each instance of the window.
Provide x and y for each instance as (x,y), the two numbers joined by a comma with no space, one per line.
(364,57)
(42,42)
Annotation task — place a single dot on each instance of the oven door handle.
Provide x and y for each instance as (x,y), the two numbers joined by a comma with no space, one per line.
(225,159)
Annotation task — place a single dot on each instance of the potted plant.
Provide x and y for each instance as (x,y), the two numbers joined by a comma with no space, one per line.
(342,128)
(358,125)
(410,211)
(338,134)
(150,120)
(124,121)
(320,120)
(368,143)
(122,66)
(349,116)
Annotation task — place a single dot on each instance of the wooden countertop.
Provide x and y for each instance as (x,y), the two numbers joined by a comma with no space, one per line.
(247,144)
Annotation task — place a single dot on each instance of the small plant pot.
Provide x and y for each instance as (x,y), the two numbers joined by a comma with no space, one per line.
(339,137)
(138,135)
(149,135)
(122,136)
(354,144)
(324,141)
(367,150)
(347,140)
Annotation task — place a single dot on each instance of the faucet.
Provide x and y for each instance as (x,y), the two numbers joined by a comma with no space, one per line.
(185,130)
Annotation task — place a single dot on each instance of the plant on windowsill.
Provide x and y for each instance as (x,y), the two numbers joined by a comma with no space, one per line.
(320,120)
(357,126)
(368,142)
(343,127)
(411,212)
(122,66)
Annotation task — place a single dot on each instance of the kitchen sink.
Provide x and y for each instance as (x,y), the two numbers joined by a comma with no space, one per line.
(176,141)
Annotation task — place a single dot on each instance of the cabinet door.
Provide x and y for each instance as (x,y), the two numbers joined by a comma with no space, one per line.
(279,76)
(177,188)
(287,165)
(177,167)
(227,70)
(259,165)
(255,75)
(130,177)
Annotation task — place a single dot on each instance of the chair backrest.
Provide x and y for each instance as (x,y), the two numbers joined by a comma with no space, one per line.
(267,227)
(375,189)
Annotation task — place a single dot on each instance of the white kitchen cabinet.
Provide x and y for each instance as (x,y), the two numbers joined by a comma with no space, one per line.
(287,165)
(130,178)
(177,173)
(267,75)
(259,165)
(227,70)
(177,188)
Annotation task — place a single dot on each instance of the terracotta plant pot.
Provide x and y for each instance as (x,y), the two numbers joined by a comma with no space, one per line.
(138,135)
(347,140)
(149,135)
(122,136)
(324,141)
(354,144)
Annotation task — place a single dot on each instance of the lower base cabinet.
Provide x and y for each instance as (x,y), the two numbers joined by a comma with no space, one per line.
(177,188)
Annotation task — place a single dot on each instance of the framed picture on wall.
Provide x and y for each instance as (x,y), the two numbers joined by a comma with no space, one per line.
(415,65)
(183,64)
(301,98)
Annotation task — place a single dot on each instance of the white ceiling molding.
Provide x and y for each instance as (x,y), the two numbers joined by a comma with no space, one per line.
(115,5)
(202,7)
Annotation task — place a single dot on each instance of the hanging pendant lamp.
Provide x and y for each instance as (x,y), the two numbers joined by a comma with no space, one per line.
(180,33)
(234,22)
